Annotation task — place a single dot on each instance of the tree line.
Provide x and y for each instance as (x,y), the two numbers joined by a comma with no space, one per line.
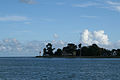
(78,50)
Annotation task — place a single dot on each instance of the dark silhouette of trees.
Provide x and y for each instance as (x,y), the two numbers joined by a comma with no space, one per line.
(106,52)
(44,52)
(48,50)
(118,52)
(58,52)
(92,50)
(72,50)
(79,53)
(84,51)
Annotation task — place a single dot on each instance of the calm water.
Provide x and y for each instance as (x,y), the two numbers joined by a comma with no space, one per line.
(59,69)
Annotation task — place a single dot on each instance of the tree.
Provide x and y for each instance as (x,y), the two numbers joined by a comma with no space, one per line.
(79,53)
(70,49)
(49,49)
(92,50)
(58,52)
(44,52)
(118,52)
(80,45)
(84,51)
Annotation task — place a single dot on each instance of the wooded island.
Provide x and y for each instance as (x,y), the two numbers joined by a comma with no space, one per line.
(72,50)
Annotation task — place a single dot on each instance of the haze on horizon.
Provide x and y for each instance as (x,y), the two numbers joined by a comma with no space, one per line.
(27,25)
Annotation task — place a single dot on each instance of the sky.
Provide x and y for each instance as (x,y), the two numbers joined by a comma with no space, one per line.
(85,21)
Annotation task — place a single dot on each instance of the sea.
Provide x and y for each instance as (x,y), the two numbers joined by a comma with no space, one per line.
(31,68)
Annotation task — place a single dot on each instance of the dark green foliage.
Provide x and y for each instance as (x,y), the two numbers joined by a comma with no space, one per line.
(80,45)
(72,50)
(118,52)
(84,51)
(94,50)
(58,52)
(48,50)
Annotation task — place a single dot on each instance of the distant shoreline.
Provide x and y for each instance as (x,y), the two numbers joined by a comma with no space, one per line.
(77,56)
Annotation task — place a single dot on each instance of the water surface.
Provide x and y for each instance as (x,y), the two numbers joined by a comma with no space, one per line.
(59,69)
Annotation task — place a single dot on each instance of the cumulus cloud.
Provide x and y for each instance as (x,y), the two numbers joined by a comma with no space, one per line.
(100,38)
(13,18)
(97,37)
(86,37)
(29,1)
(13,46)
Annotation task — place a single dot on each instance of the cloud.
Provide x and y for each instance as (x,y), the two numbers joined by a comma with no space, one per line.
(86,37)
(13,46)
(85,4)
(101,37)
(110,5)
(33,47)
(55,36)
(13,18)
(117,8)
(114,5)
(29,1)
(97,37)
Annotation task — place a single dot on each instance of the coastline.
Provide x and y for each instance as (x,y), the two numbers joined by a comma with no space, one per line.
(77,56)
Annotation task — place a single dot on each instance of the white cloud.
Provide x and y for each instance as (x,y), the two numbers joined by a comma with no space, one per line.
(29,1)
(97,37)
(117,8)
(111,5)
(85,5)
(13,18)
(101,37)
(114,5)
(15,47)
(55,36)
(86,37)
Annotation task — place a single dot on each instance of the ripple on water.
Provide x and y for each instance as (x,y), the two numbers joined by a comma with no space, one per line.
(59,69)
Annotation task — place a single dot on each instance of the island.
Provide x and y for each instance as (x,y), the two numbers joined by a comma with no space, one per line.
(79,51)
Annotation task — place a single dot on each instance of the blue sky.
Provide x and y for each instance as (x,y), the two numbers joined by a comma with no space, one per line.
(28,20)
